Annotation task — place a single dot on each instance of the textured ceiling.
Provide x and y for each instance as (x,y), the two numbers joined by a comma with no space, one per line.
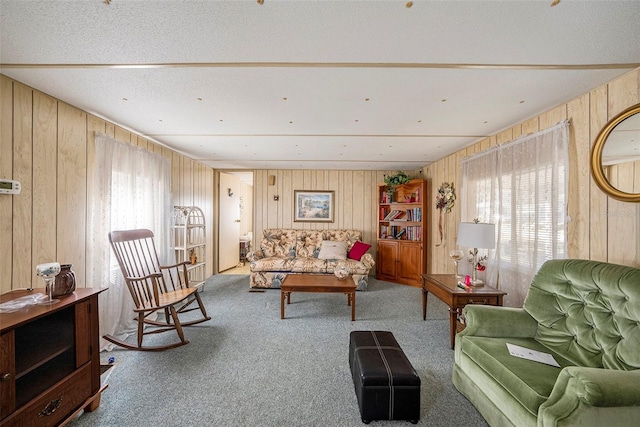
(317,84)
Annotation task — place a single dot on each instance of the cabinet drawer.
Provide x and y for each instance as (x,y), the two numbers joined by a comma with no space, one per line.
(56,403)
(477,299)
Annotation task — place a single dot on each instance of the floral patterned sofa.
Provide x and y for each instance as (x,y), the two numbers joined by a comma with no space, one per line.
(290,251)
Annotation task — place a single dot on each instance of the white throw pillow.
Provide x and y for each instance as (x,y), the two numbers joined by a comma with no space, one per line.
(333,250)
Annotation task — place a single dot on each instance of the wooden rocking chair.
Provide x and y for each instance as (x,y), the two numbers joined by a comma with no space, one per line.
(154,288)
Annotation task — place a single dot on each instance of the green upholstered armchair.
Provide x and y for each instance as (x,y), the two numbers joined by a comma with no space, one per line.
(584,313)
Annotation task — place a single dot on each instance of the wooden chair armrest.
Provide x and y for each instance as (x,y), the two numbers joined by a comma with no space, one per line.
(163,267)
(148,276)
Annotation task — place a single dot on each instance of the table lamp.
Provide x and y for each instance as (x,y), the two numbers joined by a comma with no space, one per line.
(476,235)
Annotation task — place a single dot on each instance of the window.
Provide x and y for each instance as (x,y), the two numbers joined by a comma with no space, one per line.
(521,187)
(130,188)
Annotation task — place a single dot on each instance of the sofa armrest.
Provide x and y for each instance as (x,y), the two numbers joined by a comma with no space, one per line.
(254,255)
(578,390)
(368,261)
(495,321)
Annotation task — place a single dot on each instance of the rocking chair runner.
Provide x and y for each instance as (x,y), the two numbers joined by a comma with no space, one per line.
(154,288)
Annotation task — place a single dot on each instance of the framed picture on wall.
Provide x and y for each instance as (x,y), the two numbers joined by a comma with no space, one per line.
(313,206)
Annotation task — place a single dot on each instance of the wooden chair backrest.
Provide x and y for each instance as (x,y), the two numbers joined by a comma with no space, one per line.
(138,259)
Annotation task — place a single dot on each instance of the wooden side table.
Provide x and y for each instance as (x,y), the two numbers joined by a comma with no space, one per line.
(445,287)
(50,364)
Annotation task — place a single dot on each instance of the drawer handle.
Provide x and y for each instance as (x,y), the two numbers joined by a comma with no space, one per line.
(478,301)
(51,407)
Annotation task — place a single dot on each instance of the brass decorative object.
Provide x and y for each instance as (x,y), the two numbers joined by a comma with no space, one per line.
(597,167)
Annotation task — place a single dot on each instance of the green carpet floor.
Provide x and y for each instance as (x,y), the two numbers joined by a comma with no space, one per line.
(247,367)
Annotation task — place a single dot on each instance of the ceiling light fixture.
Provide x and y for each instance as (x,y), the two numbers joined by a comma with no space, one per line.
(410,3)
(260,1)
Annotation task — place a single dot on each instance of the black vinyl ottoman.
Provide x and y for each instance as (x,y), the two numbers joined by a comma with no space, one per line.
(387,386)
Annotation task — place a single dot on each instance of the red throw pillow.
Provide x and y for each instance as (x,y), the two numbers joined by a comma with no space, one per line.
(357,250)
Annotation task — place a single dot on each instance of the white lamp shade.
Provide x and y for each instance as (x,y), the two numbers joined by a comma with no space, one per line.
(477,235)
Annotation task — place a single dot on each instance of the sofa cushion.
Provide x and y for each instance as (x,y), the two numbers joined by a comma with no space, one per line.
(272,264)
(308,265)
(333,250)
(354,267)
(349,236)
(308,243)
(278,242)
(357,250)
(529,382)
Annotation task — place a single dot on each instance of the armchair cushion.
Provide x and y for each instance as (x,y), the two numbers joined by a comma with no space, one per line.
(530,383)
(589,311)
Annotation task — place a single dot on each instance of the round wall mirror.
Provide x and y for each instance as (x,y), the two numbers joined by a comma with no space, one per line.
(615,159)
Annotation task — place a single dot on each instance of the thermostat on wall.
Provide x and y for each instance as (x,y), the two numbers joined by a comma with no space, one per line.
(8,186)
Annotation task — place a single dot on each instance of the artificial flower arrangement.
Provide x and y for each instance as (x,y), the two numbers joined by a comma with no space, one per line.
(473,253)
(480,266)
(446,197)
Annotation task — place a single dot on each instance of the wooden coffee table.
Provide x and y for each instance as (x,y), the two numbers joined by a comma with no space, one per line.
(317,283)
(445,287)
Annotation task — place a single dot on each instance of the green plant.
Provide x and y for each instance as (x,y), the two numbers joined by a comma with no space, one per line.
(393,181)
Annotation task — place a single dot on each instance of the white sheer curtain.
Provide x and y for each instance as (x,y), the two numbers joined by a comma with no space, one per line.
(522,187)
(130,188)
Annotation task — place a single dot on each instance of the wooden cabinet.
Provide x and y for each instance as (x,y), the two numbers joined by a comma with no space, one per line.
(189,241)
(401,251)
(50,364)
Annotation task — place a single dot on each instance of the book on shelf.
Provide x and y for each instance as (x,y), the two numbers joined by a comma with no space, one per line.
(394,214)
(411,233)
(414,214)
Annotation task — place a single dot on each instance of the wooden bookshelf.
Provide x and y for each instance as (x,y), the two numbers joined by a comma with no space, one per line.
(402,227)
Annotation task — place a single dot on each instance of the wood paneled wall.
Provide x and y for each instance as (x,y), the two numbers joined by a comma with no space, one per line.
(47,145)
(600,228)
(42,138)
(355,199)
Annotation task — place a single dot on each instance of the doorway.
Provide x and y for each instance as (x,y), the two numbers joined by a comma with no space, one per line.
(235,226)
